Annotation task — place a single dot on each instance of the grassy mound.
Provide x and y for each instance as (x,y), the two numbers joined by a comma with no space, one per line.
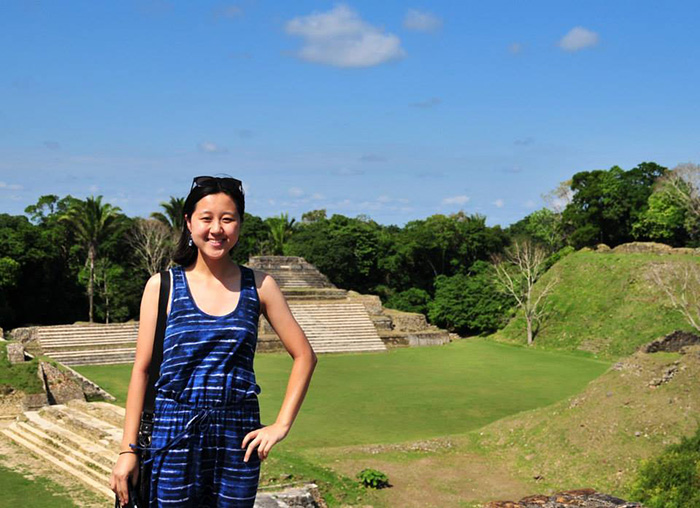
(600,437)
(20,376)
(605,303)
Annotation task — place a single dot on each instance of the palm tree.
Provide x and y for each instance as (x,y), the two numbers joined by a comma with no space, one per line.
(174,214)
(281,229)
(93,222)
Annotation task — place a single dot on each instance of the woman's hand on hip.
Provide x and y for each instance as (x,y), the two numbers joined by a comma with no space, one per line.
(263,438)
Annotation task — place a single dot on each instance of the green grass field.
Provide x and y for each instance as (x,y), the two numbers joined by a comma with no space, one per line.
(405,394)
(18,490)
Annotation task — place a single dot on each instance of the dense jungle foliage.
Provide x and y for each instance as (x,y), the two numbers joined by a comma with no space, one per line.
(65,253)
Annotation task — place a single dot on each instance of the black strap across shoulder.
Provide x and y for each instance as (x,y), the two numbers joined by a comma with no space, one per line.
(149,401)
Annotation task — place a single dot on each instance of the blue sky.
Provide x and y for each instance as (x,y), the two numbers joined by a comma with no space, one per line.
(397,110)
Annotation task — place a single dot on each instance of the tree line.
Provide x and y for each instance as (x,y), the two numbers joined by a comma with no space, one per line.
(68,259)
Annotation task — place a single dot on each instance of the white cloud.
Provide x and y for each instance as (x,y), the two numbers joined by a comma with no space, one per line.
(295,192)
(209,147)
(421,21)
(317,196)
(94,188)
(455,200)
(10,186)
(339,37)
(529,203)
(498,203)
(578,38)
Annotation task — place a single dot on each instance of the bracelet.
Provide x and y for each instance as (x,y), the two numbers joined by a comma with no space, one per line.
(128,451)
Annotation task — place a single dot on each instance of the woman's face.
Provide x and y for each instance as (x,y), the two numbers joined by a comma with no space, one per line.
(215,225)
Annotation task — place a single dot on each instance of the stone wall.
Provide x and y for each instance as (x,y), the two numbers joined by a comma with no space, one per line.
(644,248)
(581,498)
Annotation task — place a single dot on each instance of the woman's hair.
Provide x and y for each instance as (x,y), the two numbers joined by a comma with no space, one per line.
(184,254)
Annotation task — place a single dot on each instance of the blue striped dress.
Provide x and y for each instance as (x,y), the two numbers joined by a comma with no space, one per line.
(206,403)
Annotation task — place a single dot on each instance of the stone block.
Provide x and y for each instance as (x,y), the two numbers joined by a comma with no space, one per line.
(60,387)
(34,401)
(15,352)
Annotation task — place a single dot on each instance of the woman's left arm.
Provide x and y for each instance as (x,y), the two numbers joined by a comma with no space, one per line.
(274,307)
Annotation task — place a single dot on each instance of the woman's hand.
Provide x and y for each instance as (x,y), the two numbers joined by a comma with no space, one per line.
(264,438)
(127,466)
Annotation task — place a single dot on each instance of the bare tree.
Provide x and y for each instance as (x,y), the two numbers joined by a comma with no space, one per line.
(683,182)
(152,242)
(523,266)
(681,284)
(558,199)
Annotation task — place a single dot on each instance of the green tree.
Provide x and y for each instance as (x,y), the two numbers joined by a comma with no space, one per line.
(174,216)
(281,230)
(411,300)
(470,303)
(606,204)
(313,216)
(542,226)
(93,223)
(664,220)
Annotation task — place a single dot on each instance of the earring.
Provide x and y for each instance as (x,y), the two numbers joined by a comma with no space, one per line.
(190,242)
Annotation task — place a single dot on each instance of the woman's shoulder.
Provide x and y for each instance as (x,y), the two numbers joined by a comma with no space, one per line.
(258,275)
(263,280)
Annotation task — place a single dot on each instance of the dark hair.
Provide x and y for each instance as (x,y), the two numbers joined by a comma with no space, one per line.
(184,254)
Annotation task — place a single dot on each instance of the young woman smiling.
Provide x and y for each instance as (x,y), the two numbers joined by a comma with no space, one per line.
(207,441)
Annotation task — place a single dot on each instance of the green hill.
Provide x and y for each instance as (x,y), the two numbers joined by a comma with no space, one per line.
(599,437)
(605,303)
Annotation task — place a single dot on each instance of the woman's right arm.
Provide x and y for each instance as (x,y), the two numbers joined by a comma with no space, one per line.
(127,463)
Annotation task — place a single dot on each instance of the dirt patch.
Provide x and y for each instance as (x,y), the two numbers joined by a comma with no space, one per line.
(18,459)
(673,342)
(430,479)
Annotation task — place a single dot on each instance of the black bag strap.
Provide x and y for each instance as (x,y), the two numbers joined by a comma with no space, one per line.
(149,402)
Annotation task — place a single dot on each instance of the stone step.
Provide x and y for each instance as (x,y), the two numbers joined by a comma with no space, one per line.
(57,338)
(99,486)
(99,360)
(101,432)
(94,352)
(85,347)
(98,469)
(60,434)
(110,413)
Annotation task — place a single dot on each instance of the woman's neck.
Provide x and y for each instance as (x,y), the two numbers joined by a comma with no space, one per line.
(218,268)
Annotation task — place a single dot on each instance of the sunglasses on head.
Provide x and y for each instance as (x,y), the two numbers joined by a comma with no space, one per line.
(215,181)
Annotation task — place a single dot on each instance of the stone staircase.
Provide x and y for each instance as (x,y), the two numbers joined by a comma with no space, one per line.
(79,438)
(82,439)
(291,272)
(87,344)
(331,327)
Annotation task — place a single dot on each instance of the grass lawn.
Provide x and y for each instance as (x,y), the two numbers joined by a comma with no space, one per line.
(406,394)
(403,395)
(38,492)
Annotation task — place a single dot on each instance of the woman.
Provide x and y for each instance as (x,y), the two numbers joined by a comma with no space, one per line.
(207,438)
